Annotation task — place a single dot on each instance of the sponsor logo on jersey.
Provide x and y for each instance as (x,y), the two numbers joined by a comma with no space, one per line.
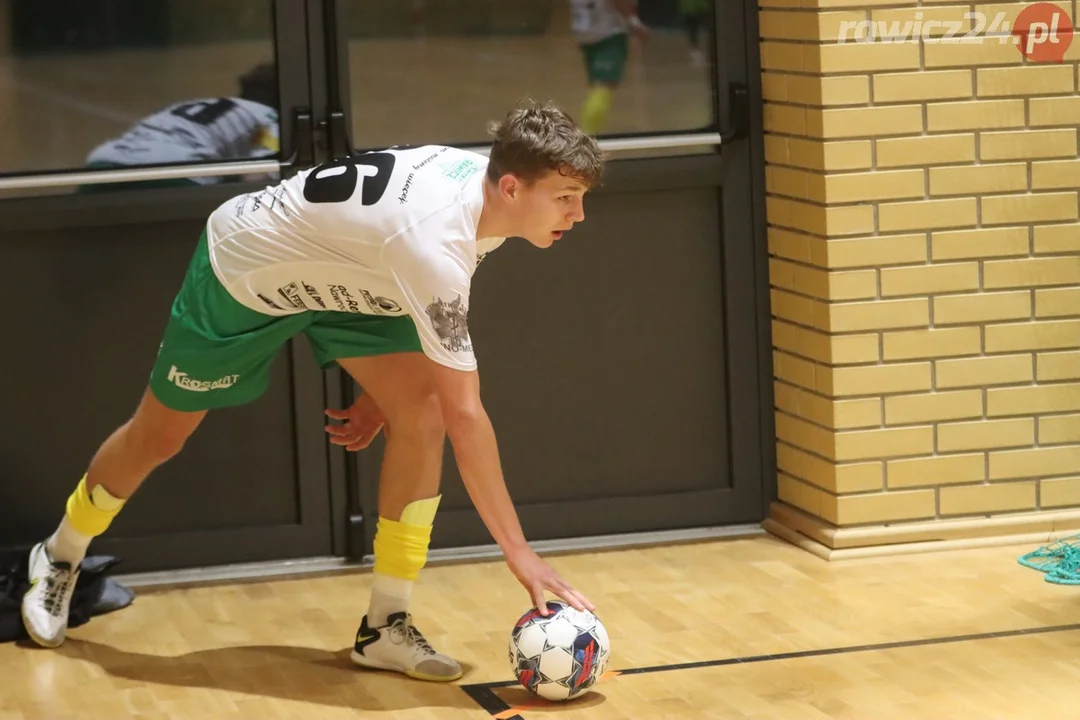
(449,320)
(380,305)
(429,158)
(405,190)
(344,300)
(272,201)
(460,171)
(291,293)
(183,381)
(268,301)
(313,294)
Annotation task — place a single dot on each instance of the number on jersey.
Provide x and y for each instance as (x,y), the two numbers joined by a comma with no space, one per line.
(336,181)
(204,113)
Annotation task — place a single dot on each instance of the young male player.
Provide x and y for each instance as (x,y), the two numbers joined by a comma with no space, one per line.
(198,130)
(371,257)
(602,29)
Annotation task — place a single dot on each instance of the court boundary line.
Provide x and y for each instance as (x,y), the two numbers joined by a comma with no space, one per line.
(484,696)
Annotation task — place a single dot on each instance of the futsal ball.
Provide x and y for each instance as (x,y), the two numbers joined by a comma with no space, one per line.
(560,656)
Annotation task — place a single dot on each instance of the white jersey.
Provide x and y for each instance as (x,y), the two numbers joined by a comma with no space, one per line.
(594,20)
(386,233)
(199,130)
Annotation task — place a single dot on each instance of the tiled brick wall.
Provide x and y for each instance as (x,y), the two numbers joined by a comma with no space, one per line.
(925,268)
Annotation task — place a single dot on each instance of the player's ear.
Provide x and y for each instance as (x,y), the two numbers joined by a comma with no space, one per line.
(509,186)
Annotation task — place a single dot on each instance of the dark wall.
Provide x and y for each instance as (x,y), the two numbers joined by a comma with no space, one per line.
(85,309)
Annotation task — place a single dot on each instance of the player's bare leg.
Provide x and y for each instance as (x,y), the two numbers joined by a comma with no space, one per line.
(154,434)
(402,387)
(597,106)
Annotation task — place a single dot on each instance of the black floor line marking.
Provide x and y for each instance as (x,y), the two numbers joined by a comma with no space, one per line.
(484,696)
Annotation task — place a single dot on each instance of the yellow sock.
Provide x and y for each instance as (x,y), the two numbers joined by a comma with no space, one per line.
(92,514)
(400,550)
(421,513)
(87,515)
(595,112)
(400,553)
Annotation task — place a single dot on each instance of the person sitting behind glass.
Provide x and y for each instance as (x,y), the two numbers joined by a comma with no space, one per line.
(212,129)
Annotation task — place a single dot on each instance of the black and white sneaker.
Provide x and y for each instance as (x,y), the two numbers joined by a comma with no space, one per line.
(399,646)
(45,606)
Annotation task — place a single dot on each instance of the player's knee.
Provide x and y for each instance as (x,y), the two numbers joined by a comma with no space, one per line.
(156,433)
(421,421)
(157,439)
(157,443)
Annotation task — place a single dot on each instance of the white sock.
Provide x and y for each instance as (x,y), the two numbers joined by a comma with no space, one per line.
(388,595)
(68,544)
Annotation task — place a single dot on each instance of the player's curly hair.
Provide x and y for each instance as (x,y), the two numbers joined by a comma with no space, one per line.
(260,84)
(536,138)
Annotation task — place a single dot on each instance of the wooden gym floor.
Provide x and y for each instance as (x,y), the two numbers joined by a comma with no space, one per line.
(742,628)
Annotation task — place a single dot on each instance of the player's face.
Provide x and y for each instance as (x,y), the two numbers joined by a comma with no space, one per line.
(548,208)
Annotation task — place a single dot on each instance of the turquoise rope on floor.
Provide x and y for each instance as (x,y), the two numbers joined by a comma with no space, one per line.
(1059,561)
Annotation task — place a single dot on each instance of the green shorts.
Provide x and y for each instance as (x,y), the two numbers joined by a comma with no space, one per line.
(605,60)
(217,353)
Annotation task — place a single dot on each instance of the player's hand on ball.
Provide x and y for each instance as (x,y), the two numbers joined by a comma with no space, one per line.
(537,576)
(363,421)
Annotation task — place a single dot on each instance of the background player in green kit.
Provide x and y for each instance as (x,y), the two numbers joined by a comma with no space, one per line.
(602,29)
(372,258)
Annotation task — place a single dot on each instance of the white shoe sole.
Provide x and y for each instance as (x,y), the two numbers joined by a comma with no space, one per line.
(366,662)
(56,642)
(37,638)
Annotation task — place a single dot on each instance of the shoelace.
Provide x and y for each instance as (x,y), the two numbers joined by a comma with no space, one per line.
(56,589)
(403,630)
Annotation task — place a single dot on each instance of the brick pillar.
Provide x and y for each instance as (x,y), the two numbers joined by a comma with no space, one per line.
(925,269)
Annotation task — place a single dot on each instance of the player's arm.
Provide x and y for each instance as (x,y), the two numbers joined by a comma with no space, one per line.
(435,282)
(628,9)
(477,455)
(476,452)
(625,7)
